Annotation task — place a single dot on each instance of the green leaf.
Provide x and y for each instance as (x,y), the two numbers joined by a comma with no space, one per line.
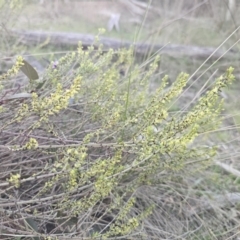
(33,225)
(29,71)
(40,85)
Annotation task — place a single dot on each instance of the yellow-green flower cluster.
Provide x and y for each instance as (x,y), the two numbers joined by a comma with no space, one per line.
(123,224)
(102,172)
(56,102)
(14,70)
(15,180)
(123,229)
(31,144)
(22,112)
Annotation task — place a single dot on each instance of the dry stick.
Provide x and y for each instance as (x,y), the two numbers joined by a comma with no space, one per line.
(40,200)
(17,233)
(228,168)
(6,184)
(97,145)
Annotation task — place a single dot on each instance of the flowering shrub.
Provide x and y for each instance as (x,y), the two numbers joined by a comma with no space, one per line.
(75,153)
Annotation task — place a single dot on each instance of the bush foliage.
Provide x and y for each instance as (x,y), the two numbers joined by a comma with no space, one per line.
(79,146)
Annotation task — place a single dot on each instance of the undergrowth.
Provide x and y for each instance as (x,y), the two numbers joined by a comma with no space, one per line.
(88,152)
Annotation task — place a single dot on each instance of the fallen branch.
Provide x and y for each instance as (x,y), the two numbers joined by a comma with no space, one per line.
(72,39)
